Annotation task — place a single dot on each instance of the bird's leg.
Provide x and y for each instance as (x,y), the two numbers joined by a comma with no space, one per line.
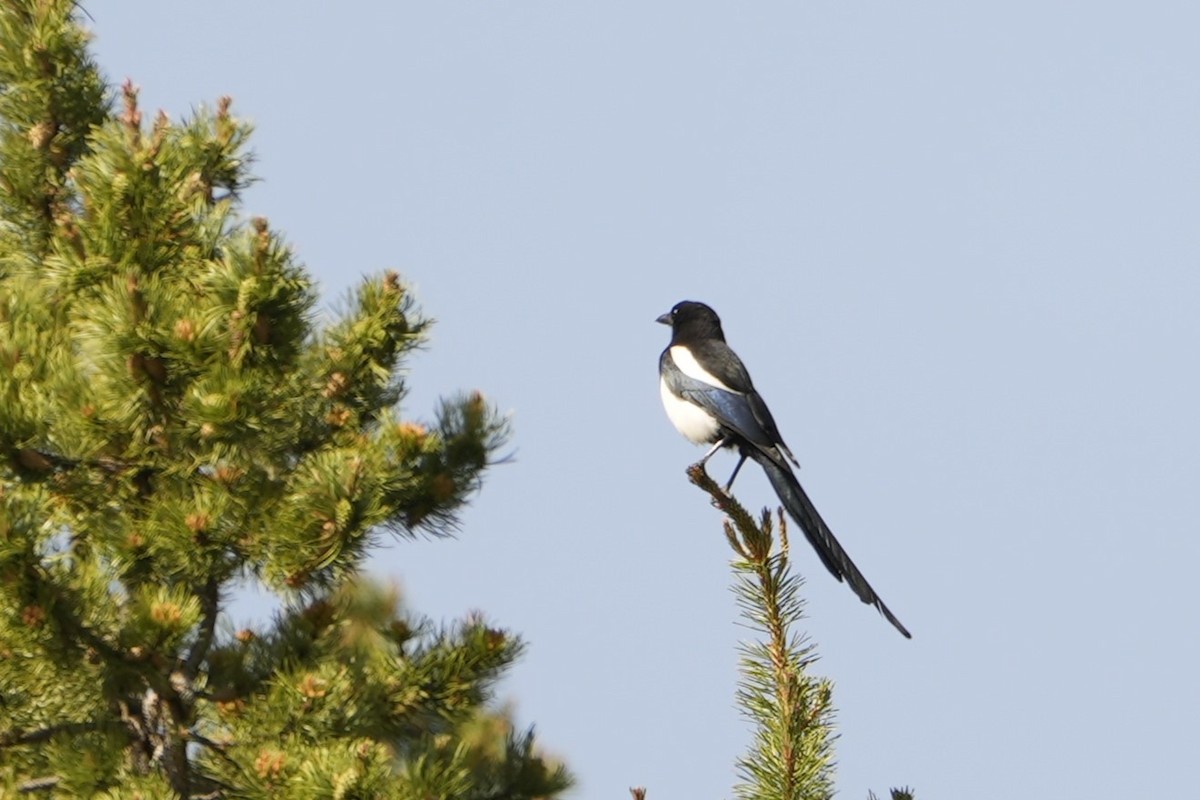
(729,484)
(720,443)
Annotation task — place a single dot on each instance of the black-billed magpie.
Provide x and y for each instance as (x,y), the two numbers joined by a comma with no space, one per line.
(710,399)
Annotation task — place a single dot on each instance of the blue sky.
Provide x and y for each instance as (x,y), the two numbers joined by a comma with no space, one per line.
(957,245)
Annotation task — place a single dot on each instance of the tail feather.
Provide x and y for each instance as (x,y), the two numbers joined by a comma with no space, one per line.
(835,559)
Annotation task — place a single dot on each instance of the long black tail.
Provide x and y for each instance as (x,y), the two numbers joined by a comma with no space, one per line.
(801,509)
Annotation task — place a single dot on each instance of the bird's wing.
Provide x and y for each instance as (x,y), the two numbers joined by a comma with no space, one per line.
(763,414)
(719,358)
(715,379)
(733,410)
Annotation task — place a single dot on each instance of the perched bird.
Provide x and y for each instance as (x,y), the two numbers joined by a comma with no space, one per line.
(710,399)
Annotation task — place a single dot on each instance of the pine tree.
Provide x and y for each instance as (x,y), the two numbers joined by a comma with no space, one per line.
(173,422)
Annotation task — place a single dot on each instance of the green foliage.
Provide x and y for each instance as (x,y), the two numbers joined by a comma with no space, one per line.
(173,422)
(52,95)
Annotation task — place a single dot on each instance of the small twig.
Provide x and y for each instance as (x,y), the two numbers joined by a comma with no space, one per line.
(212,789)
(12,738)
(39,784)
(219,749)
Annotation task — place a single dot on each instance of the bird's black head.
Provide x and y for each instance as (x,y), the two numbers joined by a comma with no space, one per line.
(693,321)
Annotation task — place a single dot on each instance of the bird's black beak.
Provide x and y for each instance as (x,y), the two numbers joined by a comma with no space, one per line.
(665,319)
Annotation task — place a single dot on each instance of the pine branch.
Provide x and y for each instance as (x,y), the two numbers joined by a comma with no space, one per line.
(210,605)
(18,737)
(175,756)
(72,628)
(175,712)
(791,758)
(214,788)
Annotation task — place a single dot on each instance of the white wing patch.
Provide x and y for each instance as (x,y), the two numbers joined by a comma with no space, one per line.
(696,424)
(689,366)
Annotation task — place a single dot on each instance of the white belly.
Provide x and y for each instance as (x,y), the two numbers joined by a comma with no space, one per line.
(693,422)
